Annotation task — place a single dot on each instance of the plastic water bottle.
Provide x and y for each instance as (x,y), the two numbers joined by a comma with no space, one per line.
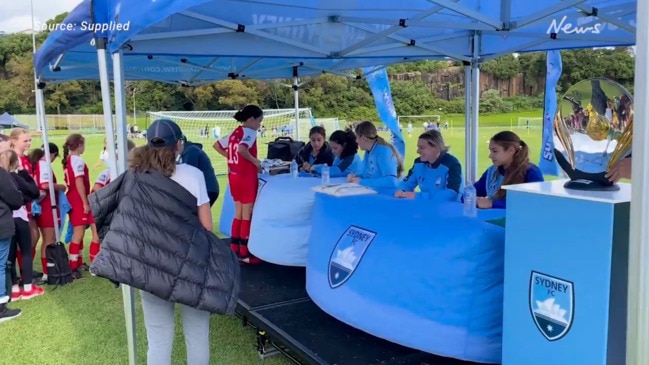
(294,172)
(325,174)
(470,207)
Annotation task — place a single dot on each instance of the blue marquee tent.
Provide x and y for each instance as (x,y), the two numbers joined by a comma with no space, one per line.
(351,29)
(70,54)
(7,121)
(375,32)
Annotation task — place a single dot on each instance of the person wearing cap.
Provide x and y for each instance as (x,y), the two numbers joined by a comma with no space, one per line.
(194,155)
(155,225)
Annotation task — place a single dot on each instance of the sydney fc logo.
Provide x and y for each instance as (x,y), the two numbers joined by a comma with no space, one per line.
(347,254)
(552,304)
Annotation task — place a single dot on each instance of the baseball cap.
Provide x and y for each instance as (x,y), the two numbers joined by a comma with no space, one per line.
(163,133)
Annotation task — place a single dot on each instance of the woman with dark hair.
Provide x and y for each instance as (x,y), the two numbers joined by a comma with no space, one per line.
(316,152)
(511,165)
(346,159)
(155,225)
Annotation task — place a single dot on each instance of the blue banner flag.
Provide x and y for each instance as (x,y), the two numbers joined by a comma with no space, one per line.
(548,163)
(380,86)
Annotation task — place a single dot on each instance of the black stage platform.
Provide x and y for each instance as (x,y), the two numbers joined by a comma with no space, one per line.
(274,301)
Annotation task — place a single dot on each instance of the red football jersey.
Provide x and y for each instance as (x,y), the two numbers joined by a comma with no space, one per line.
(42,174)
(75,168)
(103,179)
(26,164)
(240,136)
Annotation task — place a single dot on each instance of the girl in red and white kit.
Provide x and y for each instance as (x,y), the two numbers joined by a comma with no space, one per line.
(44,176)
(78,181)
(240,150)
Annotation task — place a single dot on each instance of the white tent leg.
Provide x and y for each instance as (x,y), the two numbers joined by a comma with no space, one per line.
(467,124)
(127,292)
(475,113)
(40,113)
(105,98)
(296,102)
(119,88)
(637,351)
(475,103)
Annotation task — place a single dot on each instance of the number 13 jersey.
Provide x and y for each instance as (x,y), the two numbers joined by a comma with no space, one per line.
(230,143)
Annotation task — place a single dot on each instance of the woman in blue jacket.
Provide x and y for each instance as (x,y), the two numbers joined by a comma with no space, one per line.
(511,165)
(345,149)
(382,164)
(436,172)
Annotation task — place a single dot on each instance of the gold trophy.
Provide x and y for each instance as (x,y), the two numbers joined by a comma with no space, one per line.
(593,128)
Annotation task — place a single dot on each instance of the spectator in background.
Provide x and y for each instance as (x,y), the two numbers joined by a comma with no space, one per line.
(193,155)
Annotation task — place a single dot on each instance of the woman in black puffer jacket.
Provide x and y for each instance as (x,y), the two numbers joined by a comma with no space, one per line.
(10,199)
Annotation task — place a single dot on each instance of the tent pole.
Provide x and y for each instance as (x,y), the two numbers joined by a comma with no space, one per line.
(475,98)
(637,351)
(40,113)
(296,101)
(100,44)
(127,295)
(467,123)
(119,87)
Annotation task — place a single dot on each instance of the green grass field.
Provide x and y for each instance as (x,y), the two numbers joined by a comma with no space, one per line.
(84,322)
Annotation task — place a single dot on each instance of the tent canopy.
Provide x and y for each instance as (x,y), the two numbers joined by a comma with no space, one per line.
(469,30)
(7,121)
(71,55)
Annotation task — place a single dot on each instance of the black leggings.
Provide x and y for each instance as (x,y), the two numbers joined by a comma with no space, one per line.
(22,241)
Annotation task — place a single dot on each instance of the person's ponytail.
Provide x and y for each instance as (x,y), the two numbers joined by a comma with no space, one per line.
(516,172)
(380,140)
(66,153)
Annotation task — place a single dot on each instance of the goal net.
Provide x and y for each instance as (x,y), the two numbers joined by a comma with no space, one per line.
(530,123)
(205,127)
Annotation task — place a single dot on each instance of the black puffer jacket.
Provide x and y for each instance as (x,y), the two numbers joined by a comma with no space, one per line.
(153,240)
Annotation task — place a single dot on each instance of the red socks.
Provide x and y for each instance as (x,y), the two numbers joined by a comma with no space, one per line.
(73,255)
(245,229)
(244,233)
(44,264)
(80,257)
(234,234)
(94,250)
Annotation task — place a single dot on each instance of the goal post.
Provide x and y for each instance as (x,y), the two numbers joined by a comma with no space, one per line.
(205,127)
(529,123)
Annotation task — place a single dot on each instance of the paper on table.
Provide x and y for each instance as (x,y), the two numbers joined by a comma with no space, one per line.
(346,189)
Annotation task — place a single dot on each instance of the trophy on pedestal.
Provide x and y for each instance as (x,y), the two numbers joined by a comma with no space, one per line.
(593,128)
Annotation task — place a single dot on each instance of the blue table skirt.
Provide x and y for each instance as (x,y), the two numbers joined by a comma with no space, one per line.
(413,272)
(281,219)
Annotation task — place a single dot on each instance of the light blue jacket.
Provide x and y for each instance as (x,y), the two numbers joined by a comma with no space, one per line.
(380,166)
(351,164)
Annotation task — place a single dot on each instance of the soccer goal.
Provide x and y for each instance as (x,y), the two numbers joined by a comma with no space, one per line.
(530,123)
(205,127)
